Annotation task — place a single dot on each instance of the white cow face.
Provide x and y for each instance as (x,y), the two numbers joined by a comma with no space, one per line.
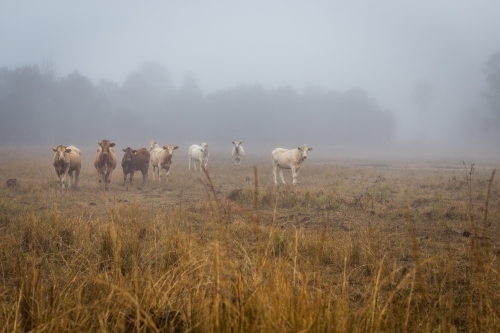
(304,149)
(170,149)
(204,147)
(60,151)
(237,143)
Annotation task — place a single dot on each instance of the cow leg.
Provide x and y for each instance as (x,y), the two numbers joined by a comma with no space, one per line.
(106,181)
(99,176)
(70,180)
(281,175)
(58,179)
(124,177)
(77,178)
(295,174)
(144,172)
(131,176)
(65,179)
(275,167)
(189,161)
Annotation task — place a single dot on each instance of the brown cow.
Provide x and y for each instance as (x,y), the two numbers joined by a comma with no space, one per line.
(105,161)
(162,159)
(135,160)
(66,161)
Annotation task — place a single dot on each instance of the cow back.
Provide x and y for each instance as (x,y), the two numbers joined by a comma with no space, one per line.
(141,158)
(75,158)
(155,155)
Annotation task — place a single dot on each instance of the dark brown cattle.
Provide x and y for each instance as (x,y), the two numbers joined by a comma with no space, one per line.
(135,160)
(105,162)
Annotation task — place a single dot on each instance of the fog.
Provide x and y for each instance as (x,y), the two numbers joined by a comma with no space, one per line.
(355,78)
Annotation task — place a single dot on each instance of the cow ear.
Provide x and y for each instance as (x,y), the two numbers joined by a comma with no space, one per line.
(241,142)
(124,150)
(299,148)
(310,148)
(112,144)
(165,147)
(54,148)
(100,143)
(135,152)
(233,143)
(68,150)
(176,147)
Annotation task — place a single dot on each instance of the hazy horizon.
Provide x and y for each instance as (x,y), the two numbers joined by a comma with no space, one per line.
(389,49)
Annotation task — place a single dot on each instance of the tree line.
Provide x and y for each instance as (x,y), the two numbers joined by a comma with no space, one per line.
(37,107)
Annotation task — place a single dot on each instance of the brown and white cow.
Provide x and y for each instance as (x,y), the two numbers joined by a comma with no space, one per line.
(105,161)
(289,159)
(161,158)
(135,160)
(66,161)
(238,152)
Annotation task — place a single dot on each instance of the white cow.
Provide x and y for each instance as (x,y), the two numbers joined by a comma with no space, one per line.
(238,152)
(65,161)
(289,159)
(198,153)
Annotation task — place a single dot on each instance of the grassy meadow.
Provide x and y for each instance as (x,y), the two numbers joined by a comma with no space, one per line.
(357,246)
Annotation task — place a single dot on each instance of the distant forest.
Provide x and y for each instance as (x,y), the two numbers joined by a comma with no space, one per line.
(37,107)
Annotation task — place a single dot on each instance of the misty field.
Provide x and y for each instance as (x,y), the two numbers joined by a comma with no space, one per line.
(357,246)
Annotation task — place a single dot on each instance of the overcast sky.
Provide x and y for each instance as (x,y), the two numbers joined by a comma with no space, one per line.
(383,47)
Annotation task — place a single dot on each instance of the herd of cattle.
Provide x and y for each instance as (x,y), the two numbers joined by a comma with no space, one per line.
(68,160)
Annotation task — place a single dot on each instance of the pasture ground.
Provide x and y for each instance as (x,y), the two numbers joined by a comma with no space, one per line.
(357,246)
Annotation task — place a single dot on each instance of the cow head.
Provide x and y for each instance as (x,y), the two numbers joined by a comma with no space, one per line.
(152,144)
(106,146)
(61,151)
(129,154)
(237,145)
(204,147)
(170,149)
(303,150)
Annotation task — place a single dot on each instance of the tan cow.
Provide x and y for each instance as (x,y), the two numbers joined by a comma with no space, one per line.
(161,158)
(105,161)
(66,161)
(135,160)
(289,159)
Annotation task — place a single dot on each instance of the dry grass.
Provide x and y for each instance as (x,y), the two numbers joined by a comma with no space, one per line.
(354,248)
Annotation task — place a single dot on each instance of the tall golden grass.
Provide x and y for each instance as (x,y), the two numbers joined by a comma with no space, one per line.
(351,249)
